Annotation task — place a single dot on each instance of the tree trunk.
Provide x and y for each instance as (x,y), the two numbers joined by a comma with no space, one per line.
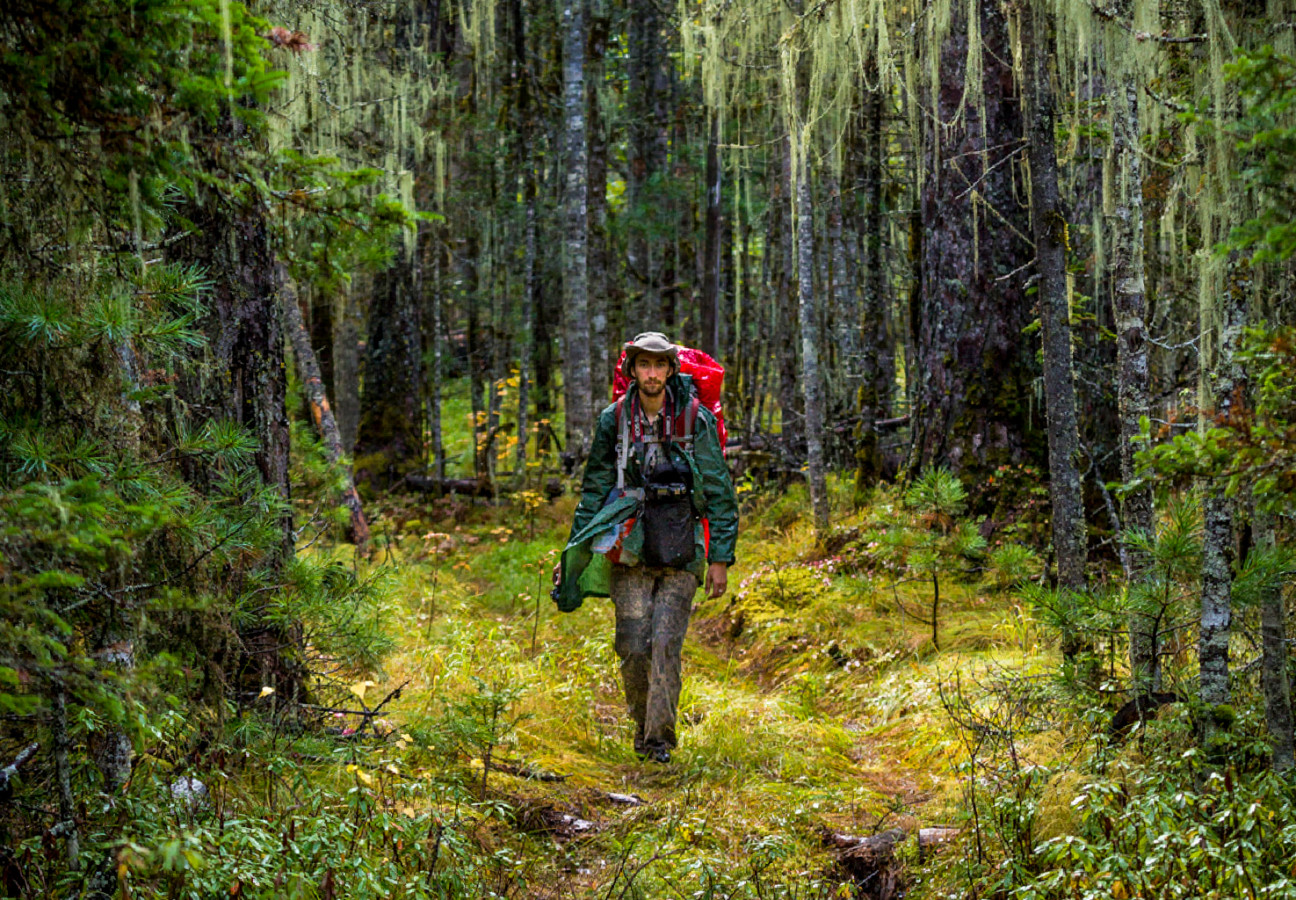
(322,414)
(601,361)
(576,339)
(870,400)
(436,341)
(390,442)
(973,368)
(1273,672)
(790,399)
(712,240)
(246,384)
(1049,227)
(646,149)
(811,378)
(1132,376)
(346,366)
(1224,392)
(843,318)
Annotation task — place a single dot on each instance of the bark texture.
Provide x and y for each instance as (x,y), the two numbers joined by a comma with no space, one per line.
(1132,374)
(1224,387)
(972,367)
(601,360)
(711,246)
(874,377)
(576,341)
(649,85)
(321,412)
(811,377)
(1049,227)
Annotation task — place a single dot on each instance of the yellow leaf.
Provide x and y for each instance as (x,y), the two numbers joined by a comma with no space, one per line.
(391,767)
(360,687)
(1118,890)
(266,691)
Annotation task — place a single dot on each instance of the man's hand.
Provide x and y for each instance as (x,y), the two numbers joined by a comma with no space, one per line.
(557,575)
(717,579)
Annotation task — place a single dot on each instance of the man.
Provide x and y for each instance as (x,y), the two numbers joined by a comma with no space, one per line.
(655,470)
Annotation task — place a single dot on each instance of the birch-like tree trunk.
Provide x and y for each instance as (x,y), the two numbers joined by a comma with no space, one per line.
(576,336)
(1223,394)
(1049,228)
(811,377)
(1132,374)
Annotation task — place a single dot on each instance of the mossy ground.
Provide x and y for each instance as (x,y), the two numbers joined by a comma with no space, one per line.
(810,702)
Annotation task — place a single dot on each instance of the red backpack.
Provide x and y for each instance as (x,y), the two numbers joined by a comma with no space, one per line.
(708,380)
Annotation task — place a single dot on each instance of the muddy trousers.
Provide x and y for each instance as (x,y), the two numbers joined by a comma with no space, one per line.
(652,614)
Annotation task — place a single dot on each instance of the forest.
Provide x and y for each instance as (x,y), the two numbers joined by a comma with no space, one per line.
(308,313)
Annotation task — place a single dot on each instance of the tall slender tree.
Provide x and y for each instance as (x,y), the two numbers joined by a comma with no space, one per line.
(1049,227)
(575,314)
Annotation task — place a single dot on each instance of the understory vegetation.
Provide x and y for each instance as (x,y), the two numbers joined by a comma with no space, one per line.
(463,739)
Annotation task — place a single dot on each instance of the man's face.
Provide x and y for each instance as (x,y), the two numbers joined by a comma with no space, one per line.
(651,372)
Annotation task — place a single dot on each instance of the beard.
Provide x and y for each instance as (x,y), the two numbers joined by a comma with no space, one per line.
(652,388)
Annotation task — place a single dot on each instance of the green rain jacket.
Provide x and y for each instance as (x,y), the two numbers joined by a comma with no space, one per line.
(586,573)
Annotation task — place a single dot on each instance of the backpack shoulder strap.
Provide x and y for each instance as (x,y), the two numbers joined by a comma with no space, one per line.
(686,422)
(623,440)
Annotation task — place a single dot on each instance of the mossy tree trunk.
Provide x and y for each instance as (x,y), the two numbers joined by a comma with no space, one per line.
(1223,396)
(248,386)
(1132,373)
(1049,228)
(972,368)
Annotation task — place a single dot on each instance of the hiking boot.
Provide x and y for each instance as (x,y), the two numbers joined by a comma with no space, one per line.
(657,755)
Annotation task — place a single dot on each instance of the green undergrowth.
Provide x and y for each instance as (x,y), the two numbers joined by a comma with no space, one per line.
(489,753)
(813,703)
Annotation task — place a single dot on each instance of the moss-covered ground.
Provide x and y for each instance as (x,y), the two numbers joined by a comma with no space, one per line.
(812,703)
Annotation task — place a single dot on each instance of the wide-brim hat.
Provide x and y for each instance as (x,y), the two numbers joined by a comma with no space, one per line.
(649,342)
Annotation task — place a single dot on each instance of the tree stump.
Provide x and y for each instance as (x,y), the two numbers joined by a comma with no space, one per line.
(870,862)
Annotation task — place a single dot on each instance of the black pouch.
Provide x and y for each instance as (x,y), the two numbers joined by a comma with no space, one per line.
(668,519)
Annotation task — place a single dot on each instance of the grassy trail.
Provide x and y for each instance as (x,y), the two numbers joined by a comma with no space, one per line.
(810,704)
